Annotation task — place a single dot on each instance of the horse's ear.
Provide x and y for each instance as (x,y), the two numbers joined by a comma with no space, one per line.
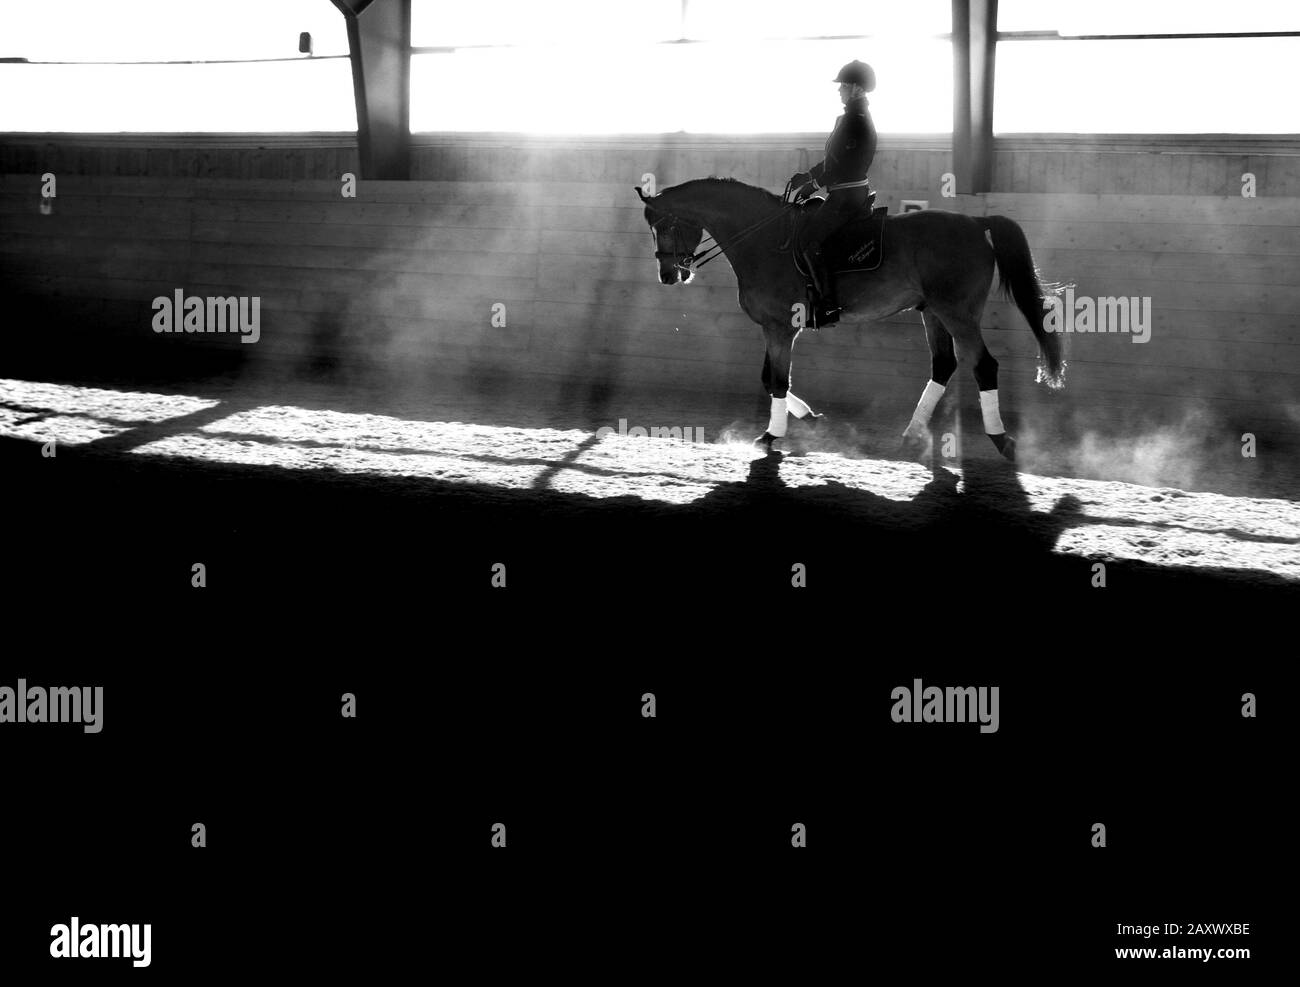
(641,192)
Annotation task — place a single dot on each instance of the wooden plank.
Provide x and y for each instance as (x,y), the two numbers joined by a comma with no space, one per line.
(1188,381)
(1198,323)
(649,368)
(96,185)
(1181,237)
(1091,178)
(1174,296)
(364,283)
(712,354)
(90,286)
(291,235)
(909,375)
(367,329)
(1147,209)
(1160,354)
(1144,174)
(386,261)
(473,308)
(570,315)
(695,298)
(592,218)
(1065,264)
(470,216)
(109,230)
(139,248)
(613,269)
(500,194)
(108,266)
(125,206)
(1163,183)
(1283,177)
(686,348)
(1207,174)
(1054,172)
(1123,173)
(595,245)
(1180,181)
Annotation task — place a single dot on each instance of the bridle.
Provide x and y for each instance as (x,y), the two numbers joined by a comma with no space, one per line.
(683,260)
(687,261)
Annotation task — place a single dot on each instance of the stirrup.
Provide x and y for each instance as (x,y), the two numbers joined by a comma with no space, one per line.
(826,316)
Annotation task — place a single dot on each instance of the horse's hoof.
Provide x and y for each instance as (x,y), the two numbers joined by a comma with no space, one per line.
(912,446)
(765,441)
(1006,445)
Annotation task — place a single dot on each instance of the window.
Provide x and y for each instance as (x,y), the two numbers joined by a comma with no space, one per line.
(1070,17)
(655,66)
(298,94)
(1147,85)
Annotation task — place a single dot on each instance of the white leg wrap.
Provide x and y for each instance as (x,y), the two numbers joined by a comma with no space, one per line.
(795,406)
(989,406)
(776,424)
(925,407)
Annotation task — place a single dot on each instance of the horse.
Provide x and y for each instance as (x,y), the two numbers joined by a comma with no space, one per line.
(937,262)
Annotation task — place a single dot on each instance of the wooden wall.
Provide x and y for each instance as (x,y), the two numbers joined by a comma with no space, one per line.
(405,275)
(301,156)
(1223,277)
(1147,164)
(1130,164)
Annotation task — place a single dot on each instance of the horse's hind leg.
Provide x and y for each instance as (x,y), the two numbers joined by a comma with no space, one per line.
(971,343)
(943,361)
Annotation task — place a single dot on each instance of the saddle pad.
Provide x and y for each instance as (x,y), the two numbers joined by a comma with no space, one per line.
(859,245)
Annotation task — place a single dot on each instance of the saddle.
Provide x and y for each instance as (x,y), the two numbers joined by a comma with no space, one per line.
(858,245)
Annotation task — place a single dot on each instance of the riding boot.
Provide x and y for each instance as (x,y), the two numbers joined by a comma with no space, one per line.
(828,306)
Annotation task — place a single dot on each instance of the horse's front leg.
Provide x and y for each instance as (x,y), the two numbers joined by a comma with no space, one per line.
(776,381)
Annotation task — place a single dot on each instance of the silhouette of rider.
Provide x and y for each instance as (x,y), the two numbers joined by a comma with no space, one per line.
(843,173)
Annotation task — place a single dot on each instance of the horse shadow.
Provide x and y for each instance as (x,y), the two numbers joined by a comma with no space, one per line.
(980,524)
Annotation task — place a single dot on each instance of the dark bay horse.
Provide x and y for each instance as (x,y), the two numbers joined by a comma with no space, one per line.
(940,263)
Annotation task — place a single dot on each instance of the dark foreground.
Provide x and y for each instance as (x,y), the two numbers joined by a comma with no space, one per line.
(481,704)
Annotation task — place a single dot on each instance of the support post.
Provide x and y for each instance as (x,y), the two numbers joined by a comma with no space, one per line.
(974,44)
(379,39)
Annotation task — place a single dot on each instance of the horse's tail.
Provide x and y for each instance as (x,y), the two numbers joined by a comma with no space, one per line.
(1020,280)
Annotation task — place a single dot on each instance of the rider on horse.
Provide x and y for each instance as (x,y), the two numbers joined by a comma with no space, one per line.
(843,173)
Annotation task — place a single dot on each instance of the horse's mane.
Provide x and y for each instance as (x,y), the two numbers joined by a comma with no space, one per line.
(762,193)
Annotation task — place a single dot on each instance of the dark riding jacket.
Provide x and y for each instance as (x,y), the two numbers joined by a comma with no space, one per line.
(849,149)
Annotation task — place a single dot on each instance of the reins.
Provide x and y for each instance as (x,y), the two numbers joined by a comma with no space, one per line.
(702,257)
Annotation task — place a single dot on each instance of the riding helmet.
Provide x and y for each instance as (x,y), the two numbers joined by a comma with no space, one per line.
(858,72)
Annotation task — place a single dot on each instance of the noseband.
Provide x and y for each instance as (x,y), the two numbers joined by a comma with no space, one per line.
(683,260)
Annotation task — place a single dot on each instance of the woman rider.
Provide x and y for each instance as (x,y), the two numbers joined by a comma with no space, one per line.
(843,173)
